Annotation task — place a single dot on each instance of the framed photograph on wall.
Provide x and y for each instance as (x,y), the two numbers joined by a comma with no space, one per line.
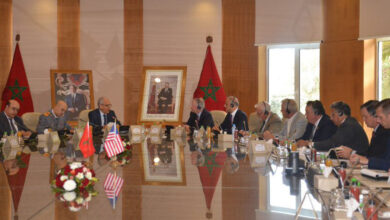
(75,87)
(163,163)
(162,95)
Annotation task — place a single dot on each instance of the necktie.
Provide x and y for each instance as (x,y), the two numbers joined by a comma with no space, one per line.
(105,119)
(313,133)
(262,127)
(231,119)
(12,126)
(373,134)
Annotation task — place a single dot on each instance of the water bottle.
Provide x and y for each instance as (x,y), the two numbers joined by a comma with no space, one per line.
(234,132)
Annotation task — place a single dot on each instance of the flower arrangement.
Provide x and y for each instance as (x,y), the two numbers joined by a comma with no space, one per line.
(125,157)
(74,185)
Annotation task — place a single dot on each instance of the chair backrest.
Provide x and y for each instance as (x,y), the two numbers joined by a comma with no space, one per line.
(218,116)
(31,119)
(83,118)
(254,122)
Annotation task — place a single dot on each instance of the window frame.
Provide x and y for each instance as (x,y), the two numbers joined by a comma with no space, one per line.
(378,67)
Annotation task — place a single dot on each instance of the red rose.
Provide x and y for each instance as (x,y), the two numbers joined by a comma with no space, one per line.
(79,170)
(59,183)
(67,170)
(93,173)
(85,182)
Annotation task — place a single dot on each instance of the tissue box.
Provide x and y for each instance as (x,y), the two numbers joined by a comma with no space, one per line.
(257,160)
(178,132)
(260,147)
(325,184)
(225,137)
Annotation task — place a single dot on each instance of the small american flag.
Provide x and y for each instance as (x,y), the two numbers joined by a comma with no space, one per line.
(113,143)
(113,186)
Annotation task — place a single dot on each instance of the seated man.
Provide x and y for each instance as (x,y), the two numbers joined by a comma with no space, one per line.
(54,119)
(234,117)
(379,157)
(164,98)
(269,120)
(76,102)
(320,127)
(199,116)
(10,122)
(349,134)
(294,124)
(103,115)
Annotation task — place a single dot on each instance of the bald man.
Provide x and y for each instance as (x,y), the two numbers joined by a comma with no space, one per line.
(54,119)
(10,122)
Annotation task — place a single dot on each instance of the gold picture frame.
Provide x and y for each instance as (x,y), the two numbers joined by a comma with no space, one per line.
(162,95)
(65,83)
(169,170)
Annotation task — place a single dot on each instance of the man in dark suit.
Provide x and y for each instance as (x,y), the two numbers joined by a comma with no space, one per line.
(320,127)
(10,122)
(76,102)
(199,116)
(234,117)
(379,152)
(103,115)
(54,119)
(349,135)
(164,98)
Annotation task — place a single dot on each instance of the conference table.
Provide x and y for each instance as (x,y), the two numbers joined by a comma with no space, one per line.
(171,178)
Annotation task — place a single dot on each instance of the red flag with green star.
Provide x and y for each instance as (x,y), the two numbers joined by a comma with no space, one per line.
(209,174)
(209,85)
(17,85)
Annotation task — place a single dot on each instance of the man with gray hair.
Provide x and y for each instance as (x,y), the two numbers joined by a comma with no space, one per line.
(199,116)
(103,115)
(269,120)
(294,123)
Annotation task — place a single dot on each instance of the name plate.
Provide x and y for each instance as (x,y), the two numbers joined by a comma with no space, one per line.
(137,129)
(260,147)
(178,132)
(225,137)
(155,130)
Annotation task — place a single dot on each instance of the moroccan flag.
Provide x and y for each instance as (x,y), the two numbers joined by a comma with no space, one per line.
(16,182)
(209,85)
(209,174)
(17,85)
(86,143)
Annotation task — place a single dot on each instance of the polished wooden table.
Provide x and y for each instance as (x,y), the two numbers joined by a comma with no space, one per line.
(170,179)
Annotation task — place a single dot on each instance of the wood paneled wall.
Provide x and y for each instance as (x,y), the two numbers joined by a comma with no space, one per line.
(68,32)
(239,55)
(5,40)
(133,63)
(342,61)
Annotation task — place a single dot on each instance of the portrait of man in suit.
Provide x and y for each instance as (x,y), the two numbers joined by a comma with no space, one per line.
(165,99)
(76,103)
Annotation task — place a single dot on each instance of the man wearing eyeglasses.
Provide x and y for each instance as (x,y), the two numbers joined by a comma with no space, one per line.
(10,122)
(103,115)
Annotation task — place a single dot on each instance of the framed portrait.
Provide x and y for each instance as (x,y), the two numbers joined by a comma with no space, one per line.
(162,163)
(162,95)
(75,87)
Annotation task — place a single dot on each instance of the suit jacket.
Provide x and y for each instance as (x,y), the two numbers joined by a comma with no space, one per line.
(325,130)
(378,142)
(350,134)
(48,120)
(166,93)
(95,118)
(297,128)
(381,162)
(240,120)
(273,125)
(205,120)
(6,127)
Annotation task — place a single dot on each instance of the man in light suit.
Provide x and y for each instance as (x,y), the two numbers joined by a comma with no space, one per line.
(199,116)
(269,120)
(10,122)
(76,103)
(320,127)
(294,123)
(54,119)
(164,98)
(349,135)
(234,117)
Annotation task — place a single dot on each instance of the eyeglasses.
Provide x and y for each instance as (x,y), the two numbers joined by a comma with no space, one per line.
(108,105)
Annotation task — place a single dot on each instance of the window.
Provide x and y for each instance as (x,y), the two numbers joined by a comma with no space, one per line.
(383,69)
(293,72)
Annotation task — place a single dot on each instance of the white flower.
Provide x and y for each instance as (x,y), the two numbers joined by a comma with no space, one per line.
(69,196)
(79,200)
(75,165)
(88,198)
(88,175)
(69,185)
(63,177)
(85,169)
(74,209)
(80,176)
